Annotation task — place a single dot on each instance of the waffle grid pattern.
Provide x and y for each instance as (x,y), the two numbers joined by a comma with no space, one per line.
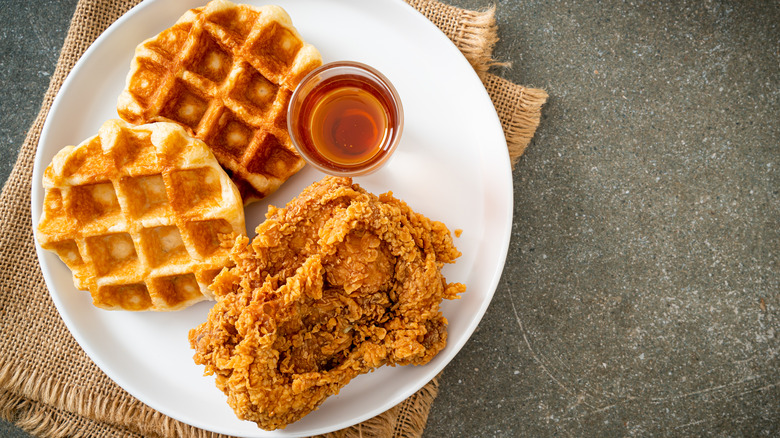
(226,72)
(138,215)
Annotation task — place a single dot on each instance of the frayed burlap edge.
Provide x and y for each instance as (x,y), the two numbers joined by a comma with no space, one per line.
(519,109)
(45,421)
(414,415)
(66,410)
(474,33)
(45,407)
(85,414)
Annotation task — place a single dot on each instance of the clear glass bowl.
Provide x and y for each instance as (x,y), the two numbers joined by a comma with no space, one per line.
(345,118)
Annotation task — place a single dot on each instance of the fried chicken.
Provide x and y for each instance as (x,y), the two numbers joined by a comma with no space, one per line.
(336,284)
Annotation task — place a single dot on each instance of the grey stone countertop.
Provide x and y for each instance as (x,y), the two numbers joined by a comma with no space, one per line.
(641,290)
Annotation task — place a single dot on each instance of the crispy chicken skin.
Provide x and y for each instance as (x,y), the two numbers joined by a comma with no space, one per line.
(336,284)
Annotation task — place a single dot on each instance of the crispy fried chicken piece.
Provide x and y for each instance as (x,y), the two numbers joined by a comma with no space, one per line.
(336,284)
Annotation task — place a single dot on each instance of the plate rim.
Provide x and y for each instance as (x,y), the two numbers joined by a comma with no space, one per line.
(432,371)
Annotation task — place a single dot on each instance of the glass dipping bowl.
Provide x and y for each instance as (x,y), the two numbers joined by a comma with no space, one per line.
(345,118)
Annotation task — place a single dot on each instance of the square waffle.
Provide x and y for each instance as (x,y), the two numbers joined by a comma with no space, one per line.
(138,213)
(226,73)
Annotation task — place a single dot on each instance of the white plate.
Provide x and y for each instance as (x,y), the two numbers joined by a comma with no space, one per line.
(452,165)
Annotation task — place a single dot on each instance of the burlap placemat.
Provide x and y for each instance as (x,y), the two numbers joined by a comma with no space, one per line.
(48,385)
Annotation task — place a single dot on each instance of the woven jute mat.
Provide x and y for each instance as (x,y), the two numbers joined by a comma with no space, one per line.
(48,385)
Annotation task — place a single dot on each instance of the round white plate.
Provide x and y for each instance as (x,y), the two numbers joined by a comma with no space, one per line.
(452,165)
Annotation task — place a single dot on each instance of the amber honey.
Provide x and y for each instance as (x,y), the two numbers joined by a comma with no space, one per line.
(345,123)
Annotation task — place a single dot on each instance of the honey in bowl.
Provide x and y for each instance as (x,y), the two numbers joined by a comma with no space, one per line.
(345,118)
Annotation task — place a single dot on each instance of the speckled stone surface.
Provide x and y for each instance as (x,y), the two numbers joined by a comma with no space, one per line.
(31,36)
(641,290)
(640,295)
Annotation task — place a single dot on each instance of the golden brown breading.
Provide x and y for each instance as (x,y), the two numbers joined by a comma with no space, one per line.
(335,284)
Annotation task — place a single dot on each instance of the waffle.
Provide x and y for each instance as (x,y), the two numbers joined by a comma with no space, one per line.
(138,215)
(226,73)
